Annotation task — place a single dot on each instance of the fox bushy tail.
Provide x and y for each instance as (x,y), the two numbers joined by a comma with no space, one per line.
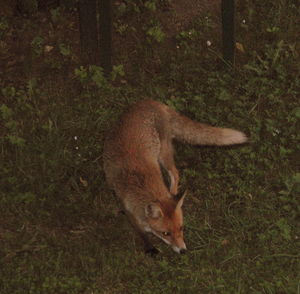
(189,131)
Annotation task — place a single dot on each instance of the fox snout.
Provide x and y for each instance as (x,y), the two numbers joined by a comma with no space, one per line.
(181,250)
(178,245)
(165,220)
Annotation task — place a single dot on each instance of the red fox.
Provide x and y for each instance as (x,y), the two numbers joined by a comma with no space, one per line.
(135,152)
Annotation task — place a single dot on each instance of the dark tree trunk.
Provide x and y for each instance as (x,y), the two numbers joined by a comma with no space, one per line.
(228,30)
(88,31)
(105,35)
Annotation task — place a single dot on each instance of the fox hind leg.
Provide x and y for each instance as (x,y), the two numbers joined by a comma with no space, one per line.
(174,176)
(166,159)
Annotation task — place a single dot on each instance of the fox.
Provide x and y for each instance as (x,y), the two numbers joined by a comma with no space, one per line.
(136,152)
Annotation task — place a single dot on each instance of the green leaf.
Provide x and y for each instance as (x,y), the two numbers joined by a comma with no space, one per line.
(26,197)
(81,73)
(285,229)
(296,178)
(15,140)
(64,49)
(6,112)
(151,5)
(55,14)
(118,70)
(156,33)
(224,95)
(297,112)
(37,44)
(97,75)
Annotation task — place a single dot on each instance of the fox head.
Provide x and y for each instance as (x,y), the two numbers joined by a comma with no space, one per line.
(166,222)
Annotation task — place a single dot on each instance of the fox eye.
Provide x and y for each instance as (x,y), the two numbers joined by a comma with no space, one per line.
(166,233)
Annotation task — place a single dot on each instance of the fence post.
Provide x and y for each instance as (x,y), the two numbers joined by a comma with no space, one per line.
(88,31)
(105,40)
(228,30)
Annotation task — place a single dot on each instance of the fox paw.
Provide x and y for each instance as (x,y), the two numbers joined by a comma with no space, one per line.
(152,251)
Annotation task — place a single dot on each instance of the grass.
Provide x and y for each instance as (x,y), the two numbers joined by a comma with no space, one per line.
(60,226)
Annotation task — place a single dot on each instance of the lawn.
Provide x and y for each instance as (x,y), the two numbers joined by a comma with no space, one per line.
(61,230)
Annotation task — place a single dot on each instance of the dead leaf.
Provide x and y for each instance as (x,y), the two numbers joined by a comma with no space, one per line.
(48,48)
(225,242)
(83,182)
(240,47)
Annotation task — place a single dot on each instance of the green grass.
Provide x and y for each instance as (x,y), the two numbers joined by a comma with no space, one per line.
(60,226)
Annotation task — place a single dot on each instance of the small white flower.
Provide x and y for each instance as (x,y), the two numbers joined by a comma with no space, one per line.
(208,43)
(76,147)
(75,137)
(244,21)
(177,47)
(275,132)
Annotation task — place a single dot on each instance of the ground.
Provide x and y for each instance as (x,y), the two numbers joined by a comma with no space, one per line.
(61,230)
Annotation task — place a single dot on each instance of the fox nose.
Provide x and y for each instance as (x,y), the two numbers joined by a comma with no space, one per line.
(182,251)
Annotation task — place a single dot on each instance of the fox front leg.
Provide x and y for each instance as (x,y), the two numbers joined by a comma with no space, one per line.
(148,246)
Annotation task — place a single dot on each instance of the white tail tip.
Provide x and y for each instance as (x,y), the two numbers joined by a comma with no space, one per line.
(231,137)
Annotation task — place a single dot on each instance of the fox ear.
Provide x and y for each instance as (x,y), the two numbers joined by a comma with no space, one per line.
(153,210)
(181,199)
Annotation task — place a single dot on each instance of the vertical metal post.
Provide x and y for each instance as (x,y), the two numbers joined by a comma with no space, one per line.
(88,31)
(228,30)
(105,40)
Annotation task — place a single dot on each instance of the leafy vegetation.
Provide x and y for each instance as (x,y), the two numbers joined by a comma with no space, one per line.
(60,226)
